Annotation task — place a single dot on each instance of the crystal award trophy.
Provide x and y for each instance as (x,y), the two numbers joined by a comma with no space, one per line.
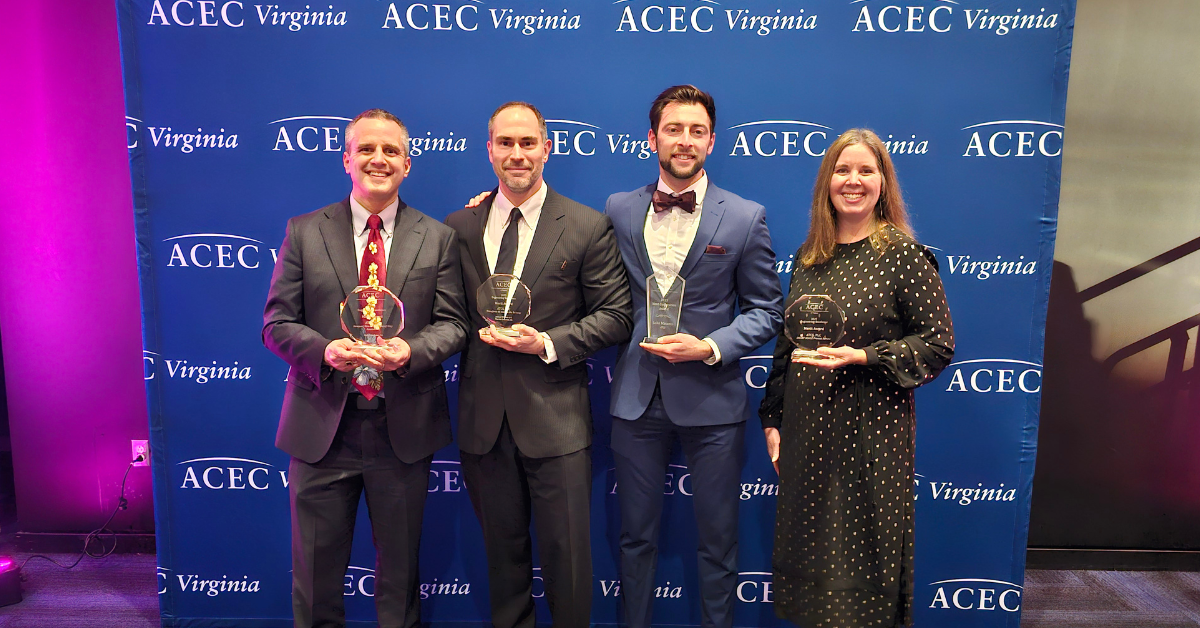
(503,301)
(662,310)
(813,320)
(371,315)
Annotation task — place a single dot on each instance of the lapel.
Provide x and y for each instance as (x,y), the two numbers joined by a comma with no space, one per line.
(338,232)
(475,238)
(637,227)
(550,228)
(710,219)
(407,236)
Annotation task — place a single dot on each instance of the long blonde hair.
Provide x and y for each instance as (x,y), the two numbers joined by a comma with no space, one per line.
(821,242)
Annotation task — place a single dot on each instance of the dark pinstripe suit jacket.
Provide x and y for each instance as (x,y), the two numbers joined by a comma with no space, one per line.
(580,299)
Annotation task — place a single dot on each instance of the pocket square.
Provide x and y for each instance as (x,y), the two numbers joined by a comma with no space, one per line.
(713,249)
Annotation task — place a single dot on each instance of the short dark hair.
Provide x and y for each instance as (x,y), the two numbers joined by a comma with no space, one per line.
(683,95)
(378,114)
(517,103)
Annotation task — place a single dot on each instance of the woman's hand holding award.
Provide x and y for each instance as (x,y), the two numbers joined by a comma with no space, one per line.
(813,320)
(503,301)
(372,316)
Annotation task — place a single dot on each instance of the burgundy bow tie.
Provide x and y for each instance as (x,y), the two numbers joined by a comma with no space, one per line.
(663,201)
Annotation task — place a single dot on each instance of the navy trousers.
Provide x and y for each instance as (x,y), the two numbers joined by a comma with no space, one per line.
(714,455)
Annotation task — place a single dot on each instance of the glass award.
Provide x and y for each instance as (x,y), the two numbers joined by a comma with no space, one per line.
(662,310)
(503,301)
(813,320)
(371,315)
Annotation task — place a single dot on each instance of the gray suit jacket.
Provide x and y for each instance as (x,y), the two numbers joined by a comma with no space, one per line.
(580,299)
(316,269)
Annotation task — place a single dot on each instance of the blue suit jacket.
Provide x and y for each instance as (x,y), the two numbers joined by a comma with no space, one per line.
(734,298)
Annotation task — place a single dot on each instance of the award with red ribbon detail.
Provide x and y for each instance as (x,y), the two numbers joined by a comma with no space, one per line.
(371,315)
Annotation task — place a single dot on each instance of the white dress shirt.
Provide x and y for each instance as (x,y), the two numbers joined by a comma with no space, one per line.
(493,233)
(669,236)
(497,224)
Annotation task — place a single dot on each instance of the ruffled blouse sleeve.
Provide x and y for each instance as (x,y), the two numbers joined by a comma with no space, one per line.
(928,342)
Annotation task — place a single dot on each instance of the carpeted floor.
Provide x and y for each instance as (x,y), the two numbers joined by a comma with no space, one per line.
(121,592)
(1111,599)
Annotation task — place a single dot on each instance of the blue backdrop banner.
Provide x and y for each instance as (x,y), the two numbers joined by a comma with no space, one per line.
(236,117)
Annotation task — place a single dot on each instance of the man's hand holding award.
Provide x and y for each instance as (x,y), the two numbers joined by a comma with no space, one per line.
(504,301)
(373,317)
(664,309)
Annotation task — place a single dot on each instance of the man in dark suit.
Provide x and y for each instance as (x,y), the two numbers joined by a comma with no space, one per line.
(347,428)
(524,421)
(687,385)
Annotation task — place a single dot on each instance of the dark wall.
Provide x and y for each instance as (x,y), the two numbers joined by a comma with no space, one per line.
(69,307)
(1118,462)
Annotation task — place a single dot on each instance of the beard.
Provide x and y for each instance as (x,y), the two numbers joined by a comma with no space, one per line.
(681,173)
(520,185)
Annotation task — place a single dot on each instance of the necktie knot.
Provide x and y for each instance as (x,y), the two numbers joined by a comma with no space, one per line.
(515,216)
(663,201)
(374,222)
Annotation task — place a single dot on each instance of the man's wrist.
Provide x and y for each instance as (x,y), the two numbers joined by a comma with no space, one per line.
(548,355)
(716,352)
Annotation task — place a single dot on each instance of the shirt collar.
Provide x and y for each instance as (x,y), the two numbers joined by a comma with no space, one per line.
(700,187)
(359,215)
(530,209)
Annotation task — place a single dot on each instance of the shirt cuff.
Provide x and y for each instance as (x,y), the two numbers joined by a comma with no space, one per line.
(716,356)
(548,354)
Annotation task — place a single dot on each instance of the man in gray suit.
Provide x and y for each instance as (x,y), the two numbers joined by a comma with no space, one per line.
(524,425)
(376,433)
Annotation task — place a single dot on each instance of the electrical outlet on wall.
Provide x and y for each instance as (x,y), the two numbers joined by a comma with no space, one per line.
(140,448)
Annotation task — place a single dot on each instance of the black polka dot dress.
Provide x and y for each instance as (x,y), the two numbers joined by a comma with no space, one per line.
(844,521)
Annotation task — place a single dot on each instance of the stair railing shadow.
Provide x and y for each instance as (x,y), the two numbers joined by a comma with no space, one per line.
(1176,334)
(1114,467)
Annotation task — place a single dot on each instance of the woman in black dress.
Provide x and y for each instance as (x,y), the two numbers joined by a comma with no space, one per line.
(840,430)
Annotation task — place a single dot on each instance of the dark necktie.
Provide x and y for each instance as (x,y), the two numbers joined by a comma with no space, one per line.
(506,260)
(372,272)
(663,201)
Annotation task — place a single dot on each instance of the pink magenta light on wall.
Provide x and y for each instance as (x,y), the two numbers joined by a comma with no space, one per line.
(67,238)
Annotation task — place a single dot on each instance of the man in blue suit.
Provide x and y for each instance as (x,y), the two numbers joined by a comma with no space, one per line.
(688,385)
